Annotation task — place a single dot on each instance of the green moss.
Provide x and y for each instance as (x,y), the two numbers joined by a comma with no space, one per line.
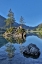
(21,30)
(10,30)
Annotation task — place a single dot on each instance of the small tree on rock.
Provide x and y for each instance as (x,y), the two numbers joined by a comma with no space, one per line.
(21,20)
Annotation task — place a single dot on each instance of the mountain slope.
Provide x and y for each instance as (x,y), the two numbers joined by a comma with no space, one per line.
(2,24)
(2,19)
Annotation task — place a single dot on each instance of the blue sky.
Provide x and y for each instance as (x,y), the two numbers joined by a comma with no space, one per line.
(31,10)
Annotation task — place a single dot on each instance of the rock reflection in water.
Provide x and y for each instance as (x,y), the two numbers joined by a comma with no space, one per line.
(10,49)
(11,39)
(17,40)
(34,57)
(20,40)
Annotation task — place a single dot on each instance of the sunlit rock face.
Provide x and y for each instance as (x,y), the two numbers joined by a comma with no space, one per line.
(31,51)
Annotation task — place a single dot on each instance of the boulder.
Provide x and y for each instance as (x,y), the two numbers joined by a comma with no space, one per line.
(31,51)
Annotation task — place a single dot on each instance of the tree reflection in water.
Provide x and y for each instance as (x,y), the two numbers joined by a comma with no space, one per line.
(10,49)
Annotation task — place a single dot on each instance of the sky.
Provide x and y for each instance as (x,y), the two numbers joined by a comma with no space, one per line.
(30,10)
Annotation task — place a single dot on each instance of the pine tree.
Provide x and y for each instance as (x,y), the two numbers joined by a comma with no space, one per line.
(21,20)
(10,20)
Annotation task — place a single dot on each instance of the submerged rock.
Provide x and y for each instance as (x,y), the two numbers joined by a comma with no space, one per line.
(31,51)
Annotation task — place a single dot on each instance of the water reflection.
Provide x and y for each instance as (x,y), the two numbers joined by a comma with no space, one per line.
(13,53)
(20,40)
(39,35)
(17,40)
(3,41)
(10,49)
(11,40)
(34,57)
(35,34)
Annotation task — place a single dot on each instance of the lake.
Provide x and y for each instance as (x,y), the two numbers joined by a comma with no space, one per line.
(11,50)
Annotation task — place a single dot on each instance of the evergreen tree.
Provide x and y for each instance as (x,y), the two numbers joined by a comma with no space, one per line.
(10,20)
(21,20)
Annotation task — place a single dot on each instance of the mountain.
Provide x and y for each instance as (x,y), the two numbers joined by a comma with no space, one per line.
(40,25)
(2,19)
(2,24)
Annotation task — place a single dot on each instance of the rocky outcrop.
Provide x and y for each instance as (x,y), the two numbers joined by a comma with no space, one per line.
(19,35)
(15,32)
(31,51)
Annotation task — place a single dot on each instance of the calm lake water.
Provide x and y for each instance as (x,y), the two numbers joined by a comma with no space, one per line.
(14,47)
